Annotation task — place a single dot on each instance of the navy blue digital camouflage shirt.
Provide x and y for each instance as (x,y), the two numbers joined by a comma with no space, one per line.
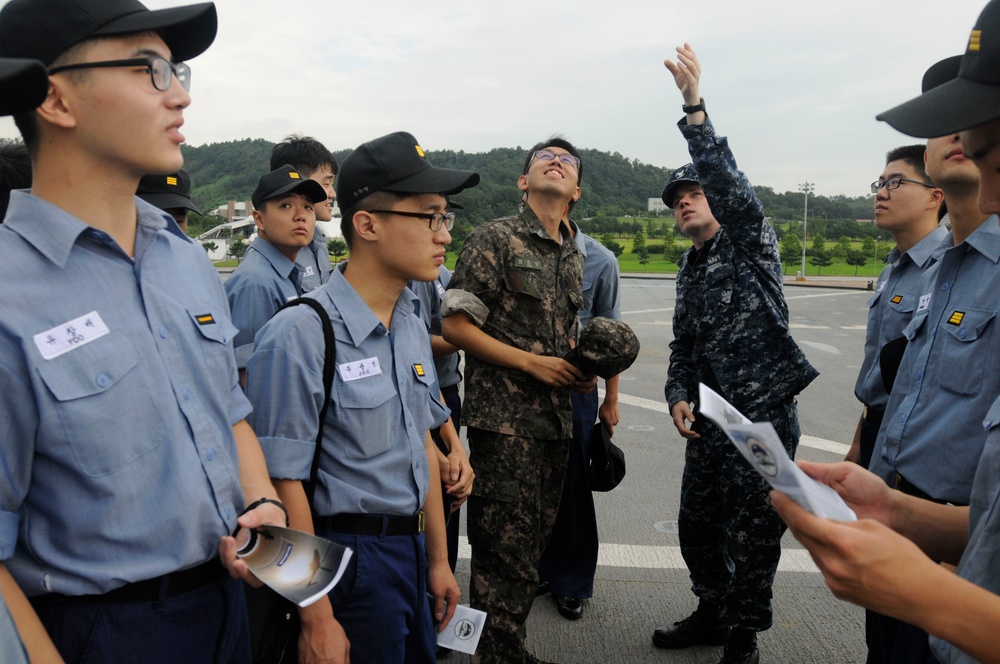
(731,319)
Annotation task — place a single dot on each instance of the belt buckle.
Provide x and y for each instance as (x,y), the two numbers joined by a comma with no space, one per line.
(421,522)
(899,480)
(864,413)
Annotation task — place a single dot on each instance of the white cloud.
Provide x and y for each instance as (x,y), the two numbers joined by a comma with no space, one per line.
(796,85)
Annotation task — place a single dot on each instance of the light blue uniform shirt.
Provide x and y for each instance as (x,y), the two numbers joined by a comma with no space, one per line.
(314,262)
(601,293)
(11,647)
(890,310)
(373,459)
(932,433)
(117,456)
(979,561)
(259,285)
(430,294)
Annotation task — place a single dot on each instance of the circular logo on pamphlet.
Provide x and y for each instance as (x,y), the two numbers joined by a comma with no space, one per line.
(764,460)
(465,630)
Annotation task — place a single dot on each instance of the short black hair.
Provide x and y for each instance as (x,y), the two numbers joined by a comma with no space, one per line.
(15,171)
(304,153)
(912,155)
(558,142)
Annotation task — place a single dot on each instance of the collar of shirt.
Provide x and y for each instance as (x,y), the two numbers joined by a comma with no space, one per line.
(535,226)
(931,246)
(270,253)
(57,234)
(580,237)
(358,317)
(986,238)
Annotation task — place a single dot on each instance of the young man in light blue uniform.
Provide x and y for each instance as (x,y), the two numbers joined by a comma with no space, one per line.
(268,276)
(569,562)
(378,482)
(126,457)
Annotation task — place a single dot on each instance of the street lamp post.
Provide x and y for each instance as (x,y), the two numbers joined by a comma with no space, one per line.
(805,188)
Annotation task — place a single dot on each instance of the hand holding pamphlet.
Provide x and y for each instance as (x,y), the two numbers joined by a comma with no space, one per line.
(298,566)
(759,443)
(463,631)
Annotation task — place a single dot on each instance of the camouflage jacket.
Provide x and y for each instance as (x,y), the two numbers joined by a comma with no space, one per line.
(731,319)
(524,289)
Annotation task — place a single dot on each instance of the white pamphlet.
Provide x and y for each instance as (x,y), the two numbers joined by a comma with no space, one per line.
(463,631)
(298,566)
(759,443)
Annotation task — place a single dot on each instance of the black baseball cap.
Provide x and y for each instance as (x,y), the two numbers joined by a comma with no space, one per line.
(23,85)
(45,29)
(941,72)
(970,99)
(396,163)
(284,180)
(167,192)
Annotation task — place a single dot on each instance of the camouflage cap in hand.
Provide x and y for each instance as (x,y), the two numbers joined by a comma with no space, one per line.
(607,348)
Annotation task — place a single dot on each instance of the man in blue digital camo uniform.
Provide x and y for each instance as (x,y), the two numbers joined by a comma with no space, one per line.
(907,204)
(568,566)
(125,454)
(378,481)
(512,307)
(950,367)
(731,333)
(284,204)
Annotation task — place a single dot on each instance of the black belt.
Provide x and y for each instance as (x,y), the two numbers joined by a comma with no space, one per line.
(162,587)
(449,391)
(874,416)
(372,524)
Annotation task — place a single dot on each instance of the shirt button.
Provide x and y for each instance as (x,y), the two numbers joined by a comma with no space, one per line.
(102,380)
(210,455)
(163,332)
(920,374)
(902,418)
(186,393)
(229,513)
(418,464)
(962,334)
(944,286)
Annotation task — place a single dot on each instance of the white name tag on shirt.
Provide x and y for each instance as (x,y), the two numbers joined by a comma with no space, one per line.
(361,369)
(924,303)
(440,288)
(881,286)
(308,272)
(70,335)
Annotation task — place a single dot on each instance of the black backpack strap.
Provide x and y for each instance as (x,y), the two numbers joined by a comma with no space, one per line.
(329,368)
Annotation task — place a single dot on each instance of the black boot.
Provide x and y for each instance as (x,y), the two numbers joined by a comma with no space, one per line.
(704,627)
(741,648)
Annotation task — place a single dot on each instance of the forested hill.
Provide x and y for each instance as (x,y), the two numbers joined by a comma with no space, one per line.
(612,185)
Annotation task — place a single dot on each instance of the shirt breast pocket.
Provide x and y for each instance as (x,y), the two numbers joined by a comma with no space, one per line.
(218,331)
(105,409)
(369,409)
(964,349)
(719,285)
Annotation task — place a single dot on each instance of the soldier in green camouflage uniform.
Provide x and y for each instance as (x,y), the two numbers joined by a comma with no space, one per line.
(731,333)
(512,306)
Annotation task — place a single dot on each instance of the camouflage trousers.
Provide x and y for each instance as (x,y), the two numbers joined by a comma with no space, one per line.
(511,513)
(730,535)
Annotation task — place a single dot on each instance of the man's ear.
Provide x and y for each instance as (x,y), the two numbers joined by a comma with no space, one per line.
(59,105)
(365,226)
(258,218)
(522,183)
(576,194)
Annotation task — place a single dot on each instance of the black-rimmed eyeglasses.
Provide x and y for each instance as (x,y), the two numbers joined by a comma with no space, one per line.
(893,183)
(435,220)
(160,70)
(548,155)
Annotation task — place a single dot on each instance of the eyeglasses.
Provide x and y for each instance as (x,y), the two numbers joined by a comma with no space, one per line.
(893,183)
(434,220)
(548,155)
(160,70)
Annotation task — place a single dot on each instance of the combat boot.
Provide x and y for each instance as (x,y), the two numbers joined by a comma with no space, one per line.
(704,627)
(741,648)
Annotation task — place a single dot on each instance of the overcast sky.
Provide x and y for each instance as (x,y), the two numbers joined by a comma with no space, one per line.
(795,84)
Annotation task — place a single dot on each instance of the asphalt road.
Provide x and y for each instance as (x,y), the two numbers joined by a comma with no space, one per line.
(641,579)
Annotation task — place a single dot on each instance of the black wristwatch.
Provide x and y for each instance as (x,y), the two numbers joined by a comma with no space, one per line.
(695,109)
